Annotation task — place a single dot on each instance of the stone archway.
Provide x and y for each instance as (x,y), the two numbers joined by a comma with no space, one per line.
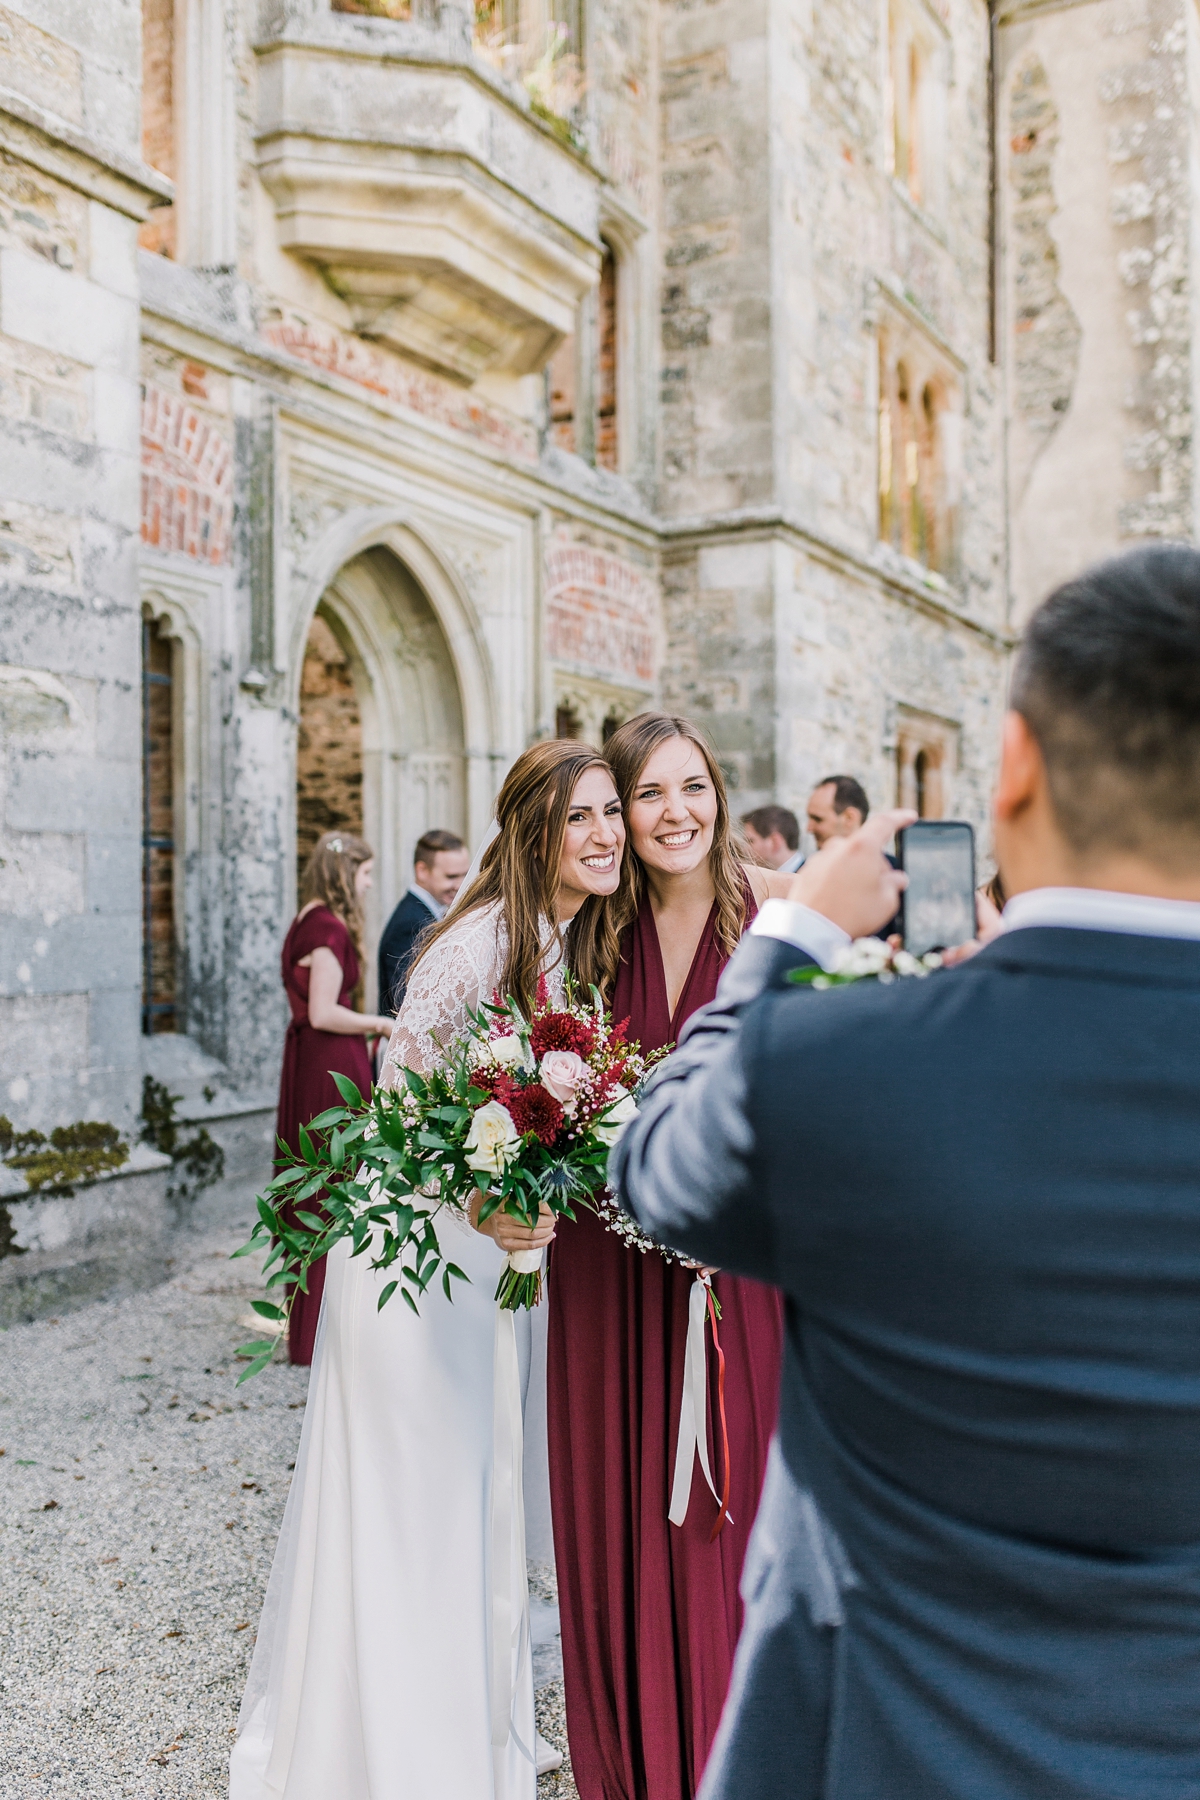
(391,715)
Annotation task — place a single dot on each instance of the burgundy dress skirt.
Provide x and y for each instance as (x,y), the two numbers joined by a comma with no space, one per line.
(650,1611)
(306,1085)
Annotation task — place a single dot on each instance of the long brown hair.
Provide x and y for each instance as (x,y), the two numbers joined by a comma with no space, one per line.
(521,866)
(328,877)
(628,750)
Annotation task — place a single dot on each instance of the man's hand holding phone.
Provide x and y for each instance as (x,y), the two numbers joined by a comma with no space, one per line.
(850,881)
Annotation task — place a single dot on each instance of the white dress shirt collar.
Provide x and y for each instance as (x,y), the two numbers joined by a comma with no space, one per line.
(1100,909)
(427,899)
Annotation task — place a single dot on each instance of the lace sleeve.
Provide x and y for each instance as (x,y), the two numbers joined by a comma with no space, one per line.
(460,971)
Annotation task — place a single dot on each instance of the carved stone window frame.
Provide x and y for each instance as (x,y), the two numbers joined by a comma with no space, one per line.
(926,744)
(905,340)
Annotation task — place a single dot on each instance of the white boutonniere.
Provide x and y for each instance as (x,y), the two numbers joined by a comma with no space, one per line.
(867,959)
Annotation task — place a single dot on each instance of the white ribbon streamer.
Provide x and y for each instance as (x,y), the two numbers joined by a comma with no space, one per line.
(510,1589)
(693,1409)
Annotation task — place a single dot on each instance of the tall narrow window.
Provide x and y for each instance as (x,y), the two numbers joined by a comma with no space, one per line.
(921,778)
(917,75)
(918,468)
(567,722)
(560,384)
(159,959)
(158,115)
(606,363)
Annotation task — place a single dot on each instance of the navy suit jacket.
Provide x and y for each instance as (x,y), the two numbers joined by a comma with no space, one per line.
(396,947)
(976,1569)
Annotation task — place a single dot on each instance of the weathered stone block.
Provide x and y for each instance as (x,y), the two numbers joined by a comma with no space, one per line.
(62,312)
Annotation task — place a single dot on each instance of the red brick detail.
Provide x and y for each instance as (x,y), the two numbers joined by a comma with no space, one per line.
(187,480)
(374,369)
(601,612)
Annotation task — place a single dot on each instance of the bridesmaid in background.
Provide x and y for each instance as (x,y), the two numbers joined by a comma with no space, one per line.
(322,960)
(650,1611)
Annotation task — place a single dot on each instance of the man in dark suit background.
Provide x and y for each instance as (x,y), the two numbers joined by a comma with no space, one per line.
(838,807)
(440,861)
(976,1569)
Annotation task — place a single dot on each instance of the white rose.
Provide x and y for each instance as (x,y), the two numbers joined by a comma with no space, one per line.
(621,1111)
(562,1072)
(865,956)
(492,1139)
(508,1052)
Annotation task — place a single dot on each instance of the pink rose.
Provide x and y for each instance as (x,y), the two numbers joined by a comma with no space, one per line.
(562,1072)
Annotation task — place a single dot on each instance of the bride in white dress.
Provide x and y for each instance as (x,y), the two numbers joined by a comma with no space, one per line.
(375,1673)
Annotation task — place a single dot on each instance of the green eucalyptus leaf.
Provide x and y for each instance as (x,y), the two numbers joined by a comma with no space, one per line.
(255,1368)
(265,1310)
(386,1295)
(405,1295)
(333,1115)
(347,1090)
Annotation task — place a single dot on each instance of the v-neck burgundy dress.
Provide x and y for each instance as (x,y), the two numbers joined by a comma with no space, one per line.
(650,1611)
(306,1083)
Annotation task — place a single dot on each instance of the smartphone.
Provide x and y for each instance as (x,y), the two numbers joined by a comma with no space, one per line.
(938,905)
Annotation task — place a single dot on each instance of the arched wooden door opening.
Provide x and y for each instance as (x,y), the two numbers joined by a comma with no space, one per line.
(381,748)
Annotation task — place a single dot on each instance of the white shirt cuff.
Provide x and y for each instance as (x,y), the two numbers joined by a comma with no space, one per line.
(795,924)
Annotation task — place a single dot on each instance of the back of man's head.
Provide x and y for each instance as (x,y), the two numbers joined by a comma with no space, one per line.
(767,820)
(846,792)
(1108,679)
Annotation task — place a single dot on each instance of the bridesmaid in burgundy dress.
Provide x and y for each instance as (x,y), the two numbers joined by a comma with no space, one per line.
(320,975)
(650,1610)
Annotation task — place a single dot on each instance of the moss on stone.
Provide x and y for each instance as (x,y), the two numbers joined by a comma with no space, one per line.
(199,1160)
(70,1157)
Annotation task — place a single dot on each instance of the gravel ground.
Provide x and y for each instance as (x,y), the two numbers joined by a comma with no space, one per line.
(141,1497)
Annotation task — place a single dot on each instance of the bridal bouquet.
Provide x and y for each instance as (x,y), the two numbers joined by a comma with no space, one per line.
(519,1111)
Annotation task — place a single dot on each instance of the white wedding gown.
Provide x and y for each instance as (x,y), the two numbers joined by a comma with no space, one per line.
(373,1673)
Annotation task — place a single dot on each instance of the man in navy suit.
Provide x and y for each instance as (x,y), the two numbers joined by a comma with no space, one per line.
(976,1569)
(440,862)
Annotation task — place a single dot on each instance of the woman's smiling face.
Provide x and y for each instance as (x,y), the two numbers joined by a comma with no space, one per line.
(593,843)
(674,808)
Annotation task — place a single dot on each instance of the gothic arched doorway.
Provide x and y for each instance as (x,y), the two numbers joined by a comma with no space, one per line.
(381,745)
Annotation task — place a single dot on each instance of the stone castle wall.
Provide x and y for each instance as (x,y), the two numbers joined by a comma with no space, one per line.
(785,378)
(70,622)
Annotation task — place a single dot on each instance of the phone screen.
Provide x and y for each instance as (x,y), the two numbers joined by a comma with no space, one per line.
(938,856)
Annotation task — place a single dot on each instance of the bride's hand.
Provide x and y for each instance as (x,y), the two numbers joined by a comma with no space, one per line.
(510,1234)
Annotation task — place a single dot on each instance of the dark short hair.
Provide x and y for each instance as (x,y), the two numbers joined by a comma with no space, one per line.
(1107,676)
(427,847)
(846,792)
(768,819)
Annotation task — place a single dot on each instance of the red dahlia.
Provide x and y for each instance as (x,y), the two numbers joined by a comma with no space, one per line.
(534,1109)
(561,1031)
(496,1082)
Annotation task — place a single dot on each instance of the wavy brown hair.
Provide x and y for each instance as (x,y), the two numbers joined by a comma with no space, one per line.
(628,751)
(520,870)
(328,877)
